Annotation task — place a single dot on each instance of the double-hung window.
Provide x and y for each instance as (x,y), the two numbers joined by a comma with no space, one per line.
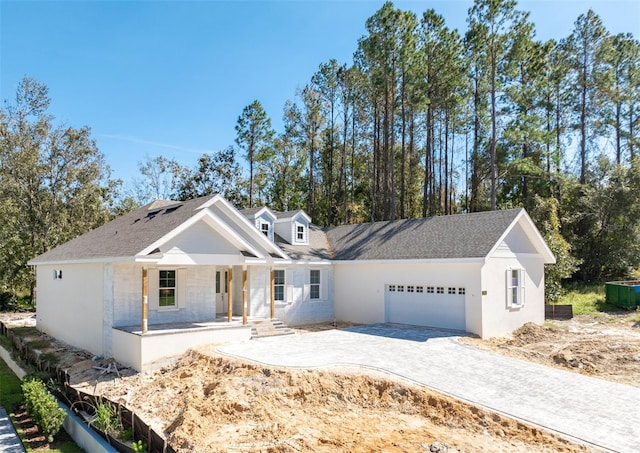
(515,287)
(314,288)
(278,285)
(167,288)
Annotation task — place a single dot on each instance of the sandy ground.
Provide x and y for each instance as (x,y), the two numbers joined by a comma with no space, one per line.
(208,403)
(606,346)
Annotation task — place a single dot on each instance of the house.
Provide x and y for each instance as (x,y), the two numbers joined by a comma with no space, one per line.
(173,275)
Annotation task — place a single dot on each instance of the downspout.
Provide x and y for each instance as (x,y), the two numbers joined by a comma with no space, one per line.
(273,300)
(230,293)
(244,295)
(145,300)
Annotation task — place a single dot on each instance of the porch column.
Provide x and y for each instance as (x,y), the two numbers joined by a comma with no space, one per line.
(273,296)
(145,300)
(230,293)
(244,296)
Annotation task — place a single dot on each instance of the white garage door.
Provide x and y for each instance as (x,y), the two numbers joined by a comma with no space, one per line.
(433,306)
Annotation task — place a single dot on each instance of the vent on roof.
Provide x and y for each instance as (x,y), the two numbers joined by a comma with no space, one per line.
(171,209)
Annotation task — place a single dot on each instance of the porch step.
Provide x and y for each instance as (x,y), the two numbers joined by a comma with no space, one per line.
(269,328)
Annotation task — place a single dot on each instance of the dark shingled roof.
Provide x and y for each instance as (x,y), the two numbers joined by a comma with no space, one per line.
(455,236)
(317,249)
(126,235)
(444,237)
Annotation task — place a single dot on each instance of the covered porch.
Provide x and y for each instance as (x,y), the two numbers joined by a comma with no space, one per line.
(208,304)
(162,343)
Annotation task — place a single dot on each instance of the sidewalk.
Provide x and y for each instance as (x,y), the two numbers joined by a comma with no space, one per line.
(9,440)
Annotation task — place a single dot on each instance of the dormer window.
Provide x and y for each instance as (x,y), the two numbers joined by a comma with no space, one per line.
(300,233)
(265,229)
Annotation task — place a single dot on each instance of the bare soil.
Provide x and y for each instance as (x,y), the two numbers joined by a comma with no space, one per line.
(605,346)
(206,402)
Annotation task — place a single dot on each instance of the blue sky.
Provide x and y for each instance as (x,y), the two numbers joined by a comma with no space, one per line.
(171,78)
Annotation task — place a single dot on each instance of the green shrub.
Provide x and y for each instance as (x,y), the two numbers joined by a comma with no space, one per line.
(43,407)
(106,418)
(139,447)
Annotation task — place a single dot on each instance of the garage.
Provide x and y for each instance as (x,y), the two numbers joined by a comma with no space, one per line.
(432,306)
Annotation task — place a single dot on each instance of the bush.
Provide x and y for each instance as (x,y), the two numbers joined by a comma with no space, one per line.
(106,418)
(43,407)
(6,298)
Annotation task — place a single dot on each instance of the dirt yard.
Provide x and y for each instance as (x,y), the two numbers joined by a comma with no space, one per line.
(606,346)
(207,403)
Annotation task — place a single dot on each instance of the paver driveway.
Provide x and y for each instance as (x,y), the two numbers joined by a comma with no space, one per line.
(602,413)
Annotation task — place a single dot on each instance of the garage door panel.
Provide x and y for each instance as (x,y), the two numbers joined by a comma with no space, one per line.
(424,309)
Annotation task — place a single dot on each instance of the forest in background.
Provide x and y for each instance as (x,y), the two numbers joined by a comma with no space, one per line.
(424,121)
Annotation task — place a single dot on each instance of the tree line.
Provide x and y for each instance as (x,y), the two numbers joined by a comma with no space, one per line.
(426,120)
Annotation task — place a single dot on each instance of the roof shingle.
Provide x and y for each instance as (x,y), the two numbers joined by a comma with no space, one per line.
(443,237)
(126,235)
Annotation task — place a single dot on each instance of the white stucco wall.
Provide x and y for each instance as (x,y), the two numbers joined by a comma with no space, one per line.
(298,309)
(498,319)
(71,308)
(359,288)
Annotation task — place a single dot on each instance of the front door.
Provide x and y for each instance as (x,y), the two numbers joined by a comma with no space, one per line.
(222,293)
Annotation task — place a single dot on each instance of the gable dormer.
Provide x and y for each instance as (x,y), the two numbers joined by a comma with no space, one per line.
(293,227)
(263,219)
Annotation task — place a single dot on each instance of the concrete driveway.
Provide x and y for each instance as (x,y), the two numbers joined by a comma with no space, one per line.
(598,412)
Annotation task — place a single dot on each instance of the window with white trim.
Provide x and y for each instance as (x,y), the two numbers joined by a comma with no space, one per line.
(392,288)
(278,285)
(515,288)
(440,290)
(264,227)
(429,289)
(462,291)
(314,284)
(419,289)
(167,288)
(410,288)
(451,290)
(400,288)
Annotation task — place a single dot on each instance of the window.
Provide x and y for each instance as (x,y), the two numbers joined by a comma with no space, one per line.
(218,282)
(462,291)
(430,289)
(515,287)
(278,285)
(400,288)
(314,279)
(419,289)
(392,288)
(167,289)
(264,227)
(300,233)
(440,290)
(410,289)
(451,290)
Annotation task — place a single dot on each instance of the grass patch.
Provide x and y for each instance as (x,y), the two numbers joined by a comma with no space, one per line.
(39,344)
(587,299)
(25,331)
(11,393)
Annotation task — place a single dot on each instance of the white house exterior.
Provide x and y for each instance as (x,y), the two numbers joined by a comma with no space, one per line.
(173,275)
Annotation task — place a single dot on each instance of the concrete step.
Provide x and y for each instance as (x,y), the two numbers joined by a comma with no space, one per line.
(269,328)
